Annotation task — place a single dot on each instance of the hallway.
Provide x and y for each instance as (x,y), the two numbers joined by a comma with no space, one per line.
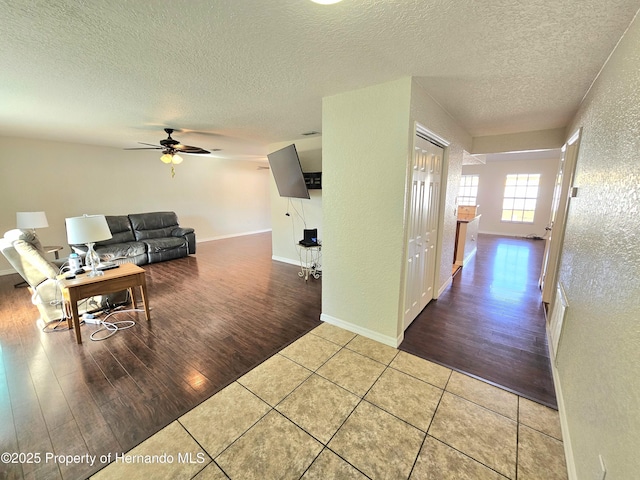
(490,322)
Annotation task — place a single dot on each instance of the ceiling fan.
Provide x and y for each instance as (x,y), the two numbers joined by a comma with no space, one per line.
(170,149)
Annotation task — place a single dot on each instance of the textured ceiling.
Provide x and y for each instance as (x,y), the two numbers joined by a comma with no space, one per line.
(252,72)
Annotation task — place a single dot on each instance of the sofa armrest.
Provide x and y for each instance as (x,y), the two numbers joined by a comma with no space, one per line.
(189,235)
(181,232)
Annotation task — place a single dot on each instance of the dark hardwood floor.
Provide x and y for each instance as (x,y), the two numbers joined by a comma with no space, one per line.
(214,316)
(491,323)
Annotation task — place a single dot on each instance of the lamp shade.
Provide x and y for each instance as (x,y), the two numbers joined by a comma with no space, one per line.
(31,220)
(87,229)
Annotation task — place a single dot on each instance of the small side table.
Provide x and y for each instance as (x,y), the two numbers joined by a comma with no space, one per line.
(53,249)
(126,276)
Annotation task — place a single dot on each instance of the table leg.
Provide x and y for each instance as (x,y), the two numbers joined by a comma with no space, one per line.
(133,298)
(143,292)
(75,318)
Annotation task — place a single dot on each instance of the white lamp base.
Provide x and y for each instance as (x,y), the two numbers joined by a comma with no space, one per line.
(92,260)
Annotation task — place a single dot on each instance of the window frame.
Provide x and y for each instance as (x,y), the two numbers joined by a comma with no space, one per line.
(468,184)
(520,197)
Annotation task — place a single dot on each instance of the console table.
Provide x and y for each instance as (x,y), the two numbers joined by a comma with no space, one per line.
(125,277)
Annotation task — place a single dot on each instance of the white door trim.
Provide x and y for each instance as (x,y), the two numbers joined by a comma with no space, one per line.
(549,276)
(429,135)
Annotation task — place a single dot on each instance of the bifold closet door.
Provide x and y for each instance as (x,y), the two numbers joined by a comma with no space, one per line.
(423,227)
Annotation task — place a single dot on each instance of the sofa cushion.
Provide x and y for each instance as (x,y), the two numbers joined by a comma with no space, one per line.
(120,228)
(118,251)
(153,225)
(157,245)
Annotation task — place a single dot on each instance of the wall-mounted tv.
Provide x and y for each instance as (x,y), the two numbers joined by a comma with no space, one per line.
(287,172)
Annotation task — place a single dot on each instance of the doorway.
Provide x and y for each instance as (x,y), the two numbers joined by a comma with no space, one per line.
(558,219)
(490,323)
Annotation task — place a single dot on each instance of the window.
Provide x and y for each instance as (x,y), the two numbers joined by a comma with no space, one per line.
(520,196)
(468,193)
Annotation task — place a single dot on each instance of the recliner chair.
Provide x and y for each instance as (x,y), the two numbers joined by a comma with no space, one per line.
(24,252)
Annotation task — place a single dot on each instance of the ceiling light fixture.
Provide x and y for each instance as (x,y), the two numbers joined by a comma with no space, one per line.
(169,156)
(326,2)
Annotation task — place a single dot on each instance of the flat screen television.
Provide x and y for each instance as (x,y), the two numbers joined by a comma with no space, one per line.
(287,172)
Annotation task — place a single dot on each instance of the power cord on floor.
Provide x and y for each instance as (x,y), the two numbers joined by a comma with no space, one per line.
(89,317)
(48,328)
(113,327)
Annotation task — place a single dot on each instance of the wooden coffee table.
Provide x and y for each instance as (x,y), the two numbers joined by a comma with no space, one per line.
(126,276)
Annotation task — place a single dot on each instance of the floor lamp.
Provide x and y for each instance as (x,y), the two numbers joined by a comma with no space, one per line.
(31,220)
(88,229)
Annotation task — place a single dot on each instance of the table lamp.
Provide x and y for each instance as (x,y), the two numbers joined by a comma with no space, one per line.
(31,220)
(88,229)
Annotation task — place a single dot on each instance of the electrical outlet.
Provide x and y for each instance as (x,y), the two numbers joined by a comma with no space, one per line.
(603,469)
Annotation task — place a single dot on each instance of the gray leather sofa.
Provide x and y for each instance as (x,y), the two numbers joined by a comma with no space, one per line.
(143,238)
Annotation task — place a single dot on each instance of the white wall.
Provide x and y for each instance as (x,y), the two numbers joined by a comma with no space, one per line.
(218,198)
(491,191)
(287,230)
(516,142)
(367,143)
(599,352)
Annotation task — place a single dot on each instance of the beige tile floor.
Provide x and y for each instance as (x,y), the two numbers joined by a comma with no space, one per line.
(335,405)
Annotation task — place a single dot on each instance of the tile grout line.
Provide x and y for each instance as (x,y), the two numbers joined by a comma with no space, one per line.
(213,459)
(444,390)
(203,449)
(475,460)
(273,408)
(424,440)
(362,399)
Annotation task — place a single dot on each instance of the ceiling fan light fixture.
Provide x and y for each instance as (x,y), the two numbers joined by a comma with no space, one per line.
(177,159)
(167,158)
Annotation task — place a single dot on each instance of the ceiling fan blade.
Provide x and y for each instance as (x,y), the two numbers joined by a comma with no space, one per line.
(170,145)
(198,151)
(189,149)
(198,132)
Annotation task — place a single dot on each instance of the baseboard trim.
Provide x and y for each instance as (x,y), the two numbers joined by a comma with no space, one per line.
(286,260)
(444,286)
(231,235)
(365,332)
(564,425)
